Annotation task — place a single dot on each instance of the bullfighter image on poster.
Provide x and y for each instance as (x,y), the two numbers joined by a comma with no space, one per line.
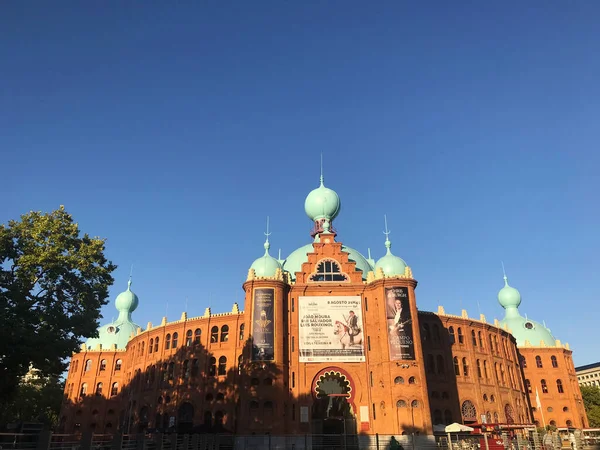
(400,326)
(331,329)
(263,339)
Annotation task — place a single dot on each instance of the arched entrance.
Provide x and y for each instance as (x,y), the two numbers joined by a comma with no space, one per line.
(185,418)
(332,411)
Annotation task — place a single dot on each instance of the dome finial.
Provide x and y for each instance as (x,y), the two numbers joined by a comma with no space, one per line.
(267,234)
(388,243)
(321,178)
(504,272)
(130,276)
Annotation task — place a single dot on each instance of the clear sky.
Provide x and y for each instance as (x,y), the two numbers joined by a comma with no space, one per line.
(174,128)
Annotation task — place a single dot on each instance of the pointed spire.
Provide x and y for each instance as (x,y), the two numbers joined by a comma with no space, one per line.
(321,178)
(267,234)
(388,243)
(504,272)
(130,277)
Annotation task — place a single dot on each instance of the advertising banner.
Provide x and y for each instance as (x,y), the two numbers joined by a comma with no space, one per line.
(400,326)
(331,329)
(263,337)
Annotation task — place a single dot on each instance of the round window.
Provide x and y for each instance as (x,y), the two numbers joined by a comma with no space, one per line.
(529,325)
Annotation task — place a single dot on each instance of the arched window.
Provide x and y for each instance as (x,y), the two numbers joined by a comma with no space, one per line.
(544,387)
(88,365)
(502,374)
(152,374)
(151,346)
(102,365)
(168,342)
(268,408)
(99,389)
(242,326)
(485,369)
(143,348)
(440,364)
(398,380)
(83,390)
(496,417)
(461,338)
(412,380)
(253,408)
(523,362)
(474,338)
(465,367)
(538,362)
(485,397)
(436,333)
(479,369)
(496,344)
(437,417)
(186,368)
(171,371)
(214,334)
(156,345)
(241,363)
(430,364)
(559,387)
(447,417)
(328,270)
(118,364)
(479,335)
(222,366)
(426,332)
(401,404)
(414,403)
(175,337)
(492,399)
(451,333)
(509,413)
(497,373)
(456,366)
(195,367)
(212,370)
(224,333)
(468,410)
(188,338)
(528,386)
(197,334)
(114,390)
(491,343)
(554,361)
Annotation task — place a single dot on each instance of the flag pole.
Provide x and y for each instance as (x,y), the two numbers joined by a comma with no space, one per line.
(539,405)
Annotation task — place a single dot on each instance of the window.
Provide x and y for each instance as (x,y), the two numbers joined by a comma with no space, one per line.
(538,362)
(414,403)
(412,380)
(88,365)
(401,404)
(465,367)
(292,304)
(143,348)
(485,397)
(440,364)
(99,389)
(188,338)
(197,334)
(224,333)
(497,373)
(168,342)
(398,380)
(474,338)
(83,390)
(559,387)
(496,344)
(293,379)
(523,362)
(502,374)
(554,361)
(171,371)
(468,410)
(175,337)
(156,345)
(242,326)
(212,370)
(293,344)
(485,369)
(114,390)
(437,417)
(528,386)
(430,364)
(448,417)
(479,369)
(456,366)
(461,338)
(509,413)
(222,365)
(214,335)
(451,333)
(118,364)
(186,369)
(102,365)
(479,335)
(426,332)
(151,346)
(328,270)
(268,408)
(544,387)
(195,367)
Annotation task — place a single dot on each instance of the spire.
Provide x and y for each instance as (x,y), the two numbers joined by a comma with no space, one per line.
(321,178)
(130,276)
(267,234)
(504,272)
(388,243)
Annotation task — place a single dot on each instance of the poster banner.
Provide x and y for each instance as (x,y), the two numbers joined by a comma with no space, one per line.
(263,338)
(399,322)
(331,329)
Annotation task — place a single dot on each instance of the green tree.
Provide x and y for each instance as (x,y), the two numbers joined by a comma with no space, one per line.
(591,401)
(53,282)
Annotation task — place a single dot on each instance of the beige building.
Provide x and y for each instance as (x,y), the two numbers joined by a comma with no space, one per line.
(589,375)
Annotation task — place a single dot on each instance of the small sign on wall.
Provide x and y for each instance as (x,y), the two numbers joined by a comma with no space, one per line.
(364,418)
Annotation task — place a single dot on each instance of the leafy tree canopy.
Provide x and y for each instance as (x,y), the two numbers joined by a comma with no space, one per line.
(591,401)
(53,282)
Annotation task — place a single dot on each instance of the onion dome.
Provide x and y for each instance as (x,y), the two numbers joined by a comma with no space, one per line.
(322,203)
(390,264)
(509,297)
(127,301)
(266,265)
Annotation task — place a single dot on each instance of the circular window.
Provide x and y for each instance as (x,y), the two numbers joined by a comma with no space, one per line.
(400,404)
(565,409)
(110,329)
(529,325)
(550,409)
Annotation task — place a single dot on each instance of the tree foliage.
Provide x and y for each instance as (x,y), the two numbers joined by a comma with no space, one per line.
(53,282)
(591,401)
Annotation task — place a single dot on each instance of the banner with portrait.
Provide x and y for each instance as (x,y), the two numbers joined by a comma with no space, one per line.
(263,320)
(399,324)
(331,329)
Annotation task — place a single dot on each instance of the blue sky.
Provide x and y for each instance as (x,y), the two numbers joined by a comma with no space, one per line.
(174,128)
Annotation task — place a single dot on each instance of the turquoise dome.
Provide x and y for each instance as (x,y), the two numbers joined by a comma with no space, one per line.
(266,265)
(119,331)
(522,328)
(294,261)
(322,203)
(391,264)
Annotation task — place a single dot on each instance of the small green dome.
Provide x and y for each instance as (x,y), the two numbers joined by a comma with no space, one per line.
(127,301)
(509,297)
(322,203)
(266,265)
(389,263)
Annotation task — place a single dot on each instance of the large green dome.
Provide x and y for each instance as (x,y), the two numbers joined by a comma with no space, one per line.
(294,261)
(391,264)
(266,265)
(322,203)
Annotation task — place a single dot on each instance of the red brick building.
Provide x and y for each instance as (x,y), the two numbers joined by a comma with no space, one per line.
(329,342)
